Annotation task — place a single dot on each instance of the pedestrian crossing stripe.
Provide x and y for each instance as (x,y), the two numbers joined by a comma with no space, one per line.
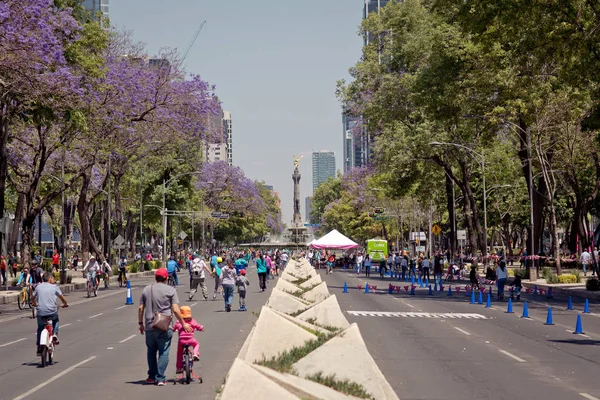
(417,315)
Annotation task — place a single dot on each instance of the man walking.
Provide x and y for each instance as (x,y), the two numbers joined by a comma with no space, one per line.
(159,301)
(585,260)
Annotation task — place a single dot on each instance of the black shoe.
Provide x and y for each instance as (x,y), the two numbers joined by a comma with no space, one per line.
(228,308)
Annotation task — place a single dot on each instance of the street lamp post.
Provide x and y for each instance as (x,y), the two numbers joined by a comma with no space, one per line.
(482,163)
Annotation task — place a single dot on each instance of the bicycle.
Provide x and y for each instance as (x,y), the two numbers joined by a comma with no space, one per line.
(24,298)
(122,279)
(106,281)
(188,368)
(171,281)
(92,288)
(48,342)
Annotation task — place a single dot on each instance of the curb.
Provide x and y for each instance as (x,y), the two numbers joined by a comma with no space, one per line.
(565,291)
(71,287)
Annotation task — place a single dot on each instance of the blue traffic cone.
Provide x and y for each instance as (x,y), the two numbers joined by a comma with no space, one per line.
(421,283)
(586,308)
(449,291)
(570,306)
(480,301)
(430,291)
(488,302)
(390,289)
(345,288)
(412,290)
(472,297)
(525,311)
(367,287)
(427,283)
(578,327)
(129,300)
(549,317)
(435,288)
(509,310)
(549,293)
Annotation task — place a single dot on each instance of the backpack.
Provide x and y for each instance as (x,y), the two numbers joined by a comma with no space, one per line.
(197,269)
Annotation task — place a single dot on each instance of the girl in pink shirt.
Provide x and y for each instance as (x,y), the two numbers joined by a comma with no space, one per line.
(185,338)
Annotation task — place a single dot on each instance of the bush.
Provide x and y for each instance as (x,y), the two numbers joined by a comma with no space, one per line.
(552,278)
(567,278)
(546,272)
(14,281)
(593,285)
(511,272)
(133,268)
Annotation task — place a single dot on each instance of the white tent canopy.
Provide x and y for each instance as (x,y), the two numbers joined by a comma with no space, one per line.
(333,240)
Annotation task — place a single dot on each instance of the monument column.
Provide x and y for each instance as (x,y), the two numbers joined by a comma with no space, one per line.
(297,221)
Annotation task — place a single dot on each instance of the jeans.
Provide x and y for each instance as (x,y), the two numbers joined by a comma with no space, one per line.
(242,296)
(3,272)
(584,268)
(42,325)
(404,272)
(438,278)
(426,273)
(91,276)
(501,283)
(367,270)
(358,268)
(262,277)
(158,342)
(228,294)
(174,275)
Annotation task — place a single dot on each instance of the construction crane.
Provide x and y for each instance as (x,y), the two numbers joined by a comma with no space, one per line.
(193,41)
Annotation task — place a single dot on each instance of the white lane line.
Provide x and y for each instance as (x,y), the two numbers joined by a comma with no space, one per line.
(64,326)
(55,377)
(193,304)
(118,308)
(13,342)
(462,331)
(127,338)
(579,334)
(588,396)
(97,315)
(511,356)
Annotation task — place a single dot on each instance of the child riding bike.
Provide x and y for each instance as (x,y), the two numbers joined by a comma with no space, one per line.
(186,339)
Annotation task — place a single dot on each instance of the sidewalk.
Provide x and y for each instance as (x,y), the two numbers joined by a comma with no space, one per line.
(76,284)
(565,289)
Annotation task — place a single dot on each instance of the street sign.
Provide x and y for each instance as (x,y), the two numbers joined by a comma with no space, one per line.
(420,248)
(461,235)
(182,235)
(224,216)
(121,246)
(417,235)
(215,214)
(312,224)
(436,230)
(118,241)
(382,218)
(379,210)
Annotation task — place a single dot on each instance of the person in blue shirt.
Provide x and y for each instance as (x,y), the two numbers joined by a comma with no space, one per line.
(173,268)
(240,264)
(213,262)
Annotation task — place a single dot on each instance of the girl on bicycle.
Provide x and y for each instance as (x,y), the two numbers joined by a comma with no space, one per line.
(187,339)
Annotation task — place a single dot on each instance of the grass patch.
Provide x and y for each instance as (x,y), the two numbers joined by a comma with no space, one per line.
(283,361)
(299,281)
(330,328)
(345,386)
(296,313)
(256,313)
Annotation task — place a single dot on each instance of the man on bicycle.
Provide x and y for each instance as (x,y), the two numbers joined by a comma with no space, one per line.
(123,269)
(91,269)
(44,299)
(172,268)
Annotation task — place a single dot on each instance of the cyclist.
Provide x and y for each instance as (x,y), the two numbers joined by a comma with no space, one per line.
(106,269)
(172,269)
(123,269)
(91,270)
(44,299)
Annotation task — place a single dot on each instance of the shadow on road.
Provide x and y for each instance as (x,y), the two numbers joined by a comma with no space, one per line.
(578,341)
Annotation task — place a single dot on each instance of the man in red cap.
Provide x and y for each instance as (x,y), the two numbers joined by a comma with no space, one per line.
(159,301)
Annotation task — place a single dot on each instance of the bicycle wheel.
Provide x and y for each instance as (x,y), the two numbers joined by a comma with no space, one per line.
(95,291)
(186,366)
(21,300)
(89,289)
(44,356)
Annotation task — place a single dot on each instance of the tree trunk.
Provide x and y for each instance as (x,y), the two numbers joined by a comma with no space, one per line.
(555,247)
(450,205)
(27,239)
(3,156)
(14,235)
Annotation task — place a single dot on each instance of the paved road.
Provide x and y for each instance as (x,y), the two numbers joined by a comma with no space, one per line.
(457,355)
(102,355)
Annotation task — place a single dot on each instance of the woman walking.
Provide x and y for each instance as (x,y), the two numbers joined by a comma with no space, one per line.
(228,283)
(261,268)
(502,275)
(368,264)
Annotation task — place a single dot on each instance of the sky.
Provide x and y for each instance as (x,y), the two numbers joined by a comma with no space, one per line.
(275,65)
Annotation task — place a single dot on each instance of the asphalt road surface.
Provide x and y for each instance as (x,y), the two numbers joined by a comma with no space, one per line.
(439,347)
(103,356)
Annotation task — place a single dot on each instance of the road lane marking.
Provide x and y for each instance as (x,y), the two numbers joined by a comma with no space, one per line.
(13,342)
(55,377)
(589,397)
(118,308)
(127,338)
(193,304)
(97,315)
(462,331)
(64,326)
(511,356)
(579,334)
(417,315)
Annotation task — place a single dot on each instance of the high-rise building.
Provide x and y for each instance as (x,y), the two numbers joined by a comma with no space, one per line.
(369,7)
(228,132)
(323,167)
(221,124)
(356,142)
(97,7)
(307,208)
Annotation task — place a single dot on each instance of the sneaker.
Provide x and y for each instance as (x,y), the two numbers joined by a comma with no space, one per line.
(161,383)
(196,357)
(55,339)
(228,308)
(150,381)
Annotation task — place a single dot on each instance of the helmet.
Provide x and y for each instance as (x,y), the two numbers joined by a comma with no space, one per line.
(186,312)
(219,259)
(243,272)
(35,261)
(162,273)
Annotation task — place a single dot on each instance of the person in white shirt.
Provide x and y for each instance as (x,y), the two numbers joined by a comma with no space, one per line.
(585,260)
(595,269)
(502,276)
(359,261)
